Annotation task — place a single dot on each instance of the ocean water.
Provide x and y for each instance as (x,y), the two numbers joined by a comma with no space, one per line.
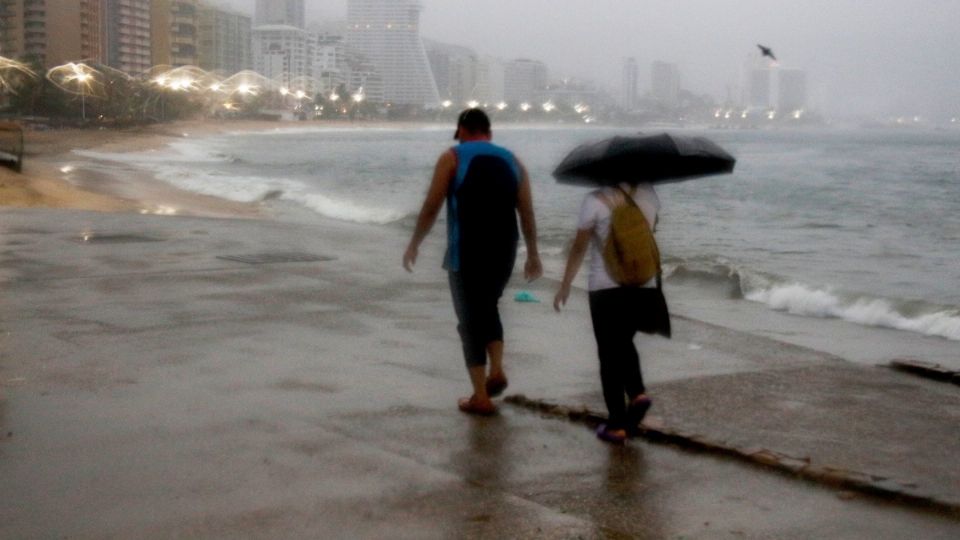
(854,226)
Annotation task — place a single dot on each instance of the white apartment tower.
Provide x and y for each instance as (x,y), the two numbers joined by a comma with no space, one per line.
(387,33)
(280,12)
(665,83)
(524,80)
(282,53)
(792,90)
(629,92)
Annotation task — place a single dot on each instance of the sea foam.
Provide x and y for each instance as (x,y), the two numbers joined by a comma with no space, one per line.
(800,299)
(176,165)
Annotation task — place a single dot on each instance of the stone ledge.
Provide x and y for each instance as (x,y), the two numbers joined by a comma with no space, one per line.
(927,370)
(800,467)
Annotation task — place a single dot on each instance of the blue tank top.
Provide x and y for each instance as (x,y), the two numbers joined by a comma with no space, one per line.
(485,163)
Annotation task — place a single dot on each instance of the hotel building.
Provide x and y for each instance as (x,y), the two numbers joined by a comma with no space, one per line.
(70,33)
(174,30)
(387,34)
(127,26)
(225,40)
(280,12)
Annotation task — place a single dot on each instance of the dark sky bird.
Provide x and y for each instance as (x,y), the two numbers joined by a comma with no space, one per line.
(767,52)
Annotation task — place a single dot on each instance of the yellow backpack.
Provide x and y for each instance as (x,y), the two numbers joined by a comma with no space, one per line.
(630,253)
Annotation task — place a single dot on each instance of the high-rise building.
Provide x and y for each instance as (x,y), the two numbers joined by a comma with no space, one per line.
(127,25)
(280,12)
(629,90)
(490,80)
(225,40)
(174,31)
(52,35)
(758,88)
(524,80)
(792,92)
(362,76)
(282,53)
(455,70)
(329,61)
(665,83)
(387,33)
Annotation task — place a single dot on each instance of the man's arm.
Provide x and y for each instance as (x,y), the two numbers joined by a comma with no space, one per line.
(533,268)
(442,177)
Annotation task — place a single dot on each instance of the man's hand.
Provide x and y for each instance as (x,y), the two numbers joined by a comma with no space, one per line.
(534,268)
(562,295)
(410,257)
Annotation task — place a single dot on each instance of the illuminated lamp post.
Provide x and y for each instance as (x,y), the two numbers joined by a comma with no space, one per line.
(83,79)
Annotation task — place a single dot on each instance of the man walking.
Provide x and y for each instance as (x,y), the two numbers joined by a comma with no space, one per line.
(484,186)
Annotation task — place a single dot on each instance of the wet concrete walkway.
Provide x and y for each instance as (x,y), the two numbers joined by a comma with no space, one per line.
(153,385)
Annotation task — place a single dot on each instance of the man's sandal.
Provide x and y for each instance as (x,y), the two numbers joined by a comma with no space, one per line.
(472,405)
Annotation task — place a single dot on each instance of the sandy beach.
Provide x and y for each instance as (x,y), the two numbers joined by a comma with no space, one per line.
(46,183)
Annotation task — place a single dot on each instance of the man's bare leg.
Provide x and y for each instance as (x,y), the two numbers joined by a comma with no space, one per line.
(478,378)
(479,402)
(495,353)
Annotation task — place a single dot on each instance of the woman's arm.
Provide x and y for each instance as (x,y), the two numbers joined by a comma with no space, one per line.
(577,252)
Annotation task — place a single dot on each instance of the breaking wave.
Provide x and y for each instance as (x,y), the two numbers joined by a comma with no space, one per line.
(176,165)
(796,298)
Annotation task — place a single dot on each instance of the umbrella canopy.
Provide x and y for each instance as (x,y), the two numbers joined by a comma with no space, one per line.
(643,158)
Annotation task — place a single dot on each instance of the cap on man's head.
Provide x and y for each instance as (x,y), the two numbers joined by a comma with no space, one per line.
(474,121)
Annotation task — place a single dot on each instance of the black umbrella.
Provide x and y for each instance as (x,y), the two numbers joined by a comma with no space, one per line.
(643,158)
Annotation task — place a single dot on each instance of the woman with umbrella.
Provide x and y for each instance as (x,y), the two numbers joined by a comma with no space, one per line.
(613,306)
(623,303)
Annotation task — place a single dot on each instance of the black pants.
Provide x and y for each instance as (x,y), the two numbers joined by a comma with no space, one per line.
(618,314)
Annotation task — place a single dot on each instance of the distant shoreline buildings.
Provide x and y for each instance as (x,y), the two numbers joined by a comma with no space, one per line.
(376,55)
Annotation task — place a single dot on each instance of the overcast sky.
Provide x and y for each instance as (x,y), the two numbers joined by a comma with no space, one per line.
(862,56)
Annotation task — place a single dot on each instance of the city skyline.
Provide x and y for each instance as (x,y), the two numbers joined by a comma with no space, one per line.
(861,58)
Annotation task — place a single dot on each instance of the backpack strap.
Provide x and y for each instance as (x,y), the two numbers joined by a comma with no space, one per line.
(612,204)
(628,195)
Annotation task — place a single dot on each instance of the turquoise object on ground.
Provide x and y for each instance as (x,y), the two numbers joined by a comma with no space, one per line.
(526,297)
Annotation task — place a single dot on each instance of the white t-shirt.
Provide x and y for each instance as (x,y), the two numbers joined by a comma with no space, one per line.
(595,216)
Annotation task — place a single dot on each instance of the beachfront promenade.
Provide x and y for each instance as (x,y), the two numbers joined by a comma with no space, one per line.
(219,378)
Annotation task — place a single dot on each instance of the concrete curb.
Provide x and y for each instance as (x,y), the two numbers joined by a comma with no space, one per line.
(927,370)
(804,468)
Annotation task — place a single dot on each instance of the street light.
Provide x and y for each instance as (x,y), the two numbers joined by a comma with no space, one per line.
(15,68)
(83,79)
(74,78)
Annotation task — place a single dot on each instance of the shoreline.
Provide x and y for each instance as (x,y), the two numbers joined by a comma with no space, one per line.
(48,182)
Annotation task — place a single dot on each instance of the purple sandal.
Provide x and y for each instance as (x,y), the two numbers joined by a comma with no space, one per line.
(605,434)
